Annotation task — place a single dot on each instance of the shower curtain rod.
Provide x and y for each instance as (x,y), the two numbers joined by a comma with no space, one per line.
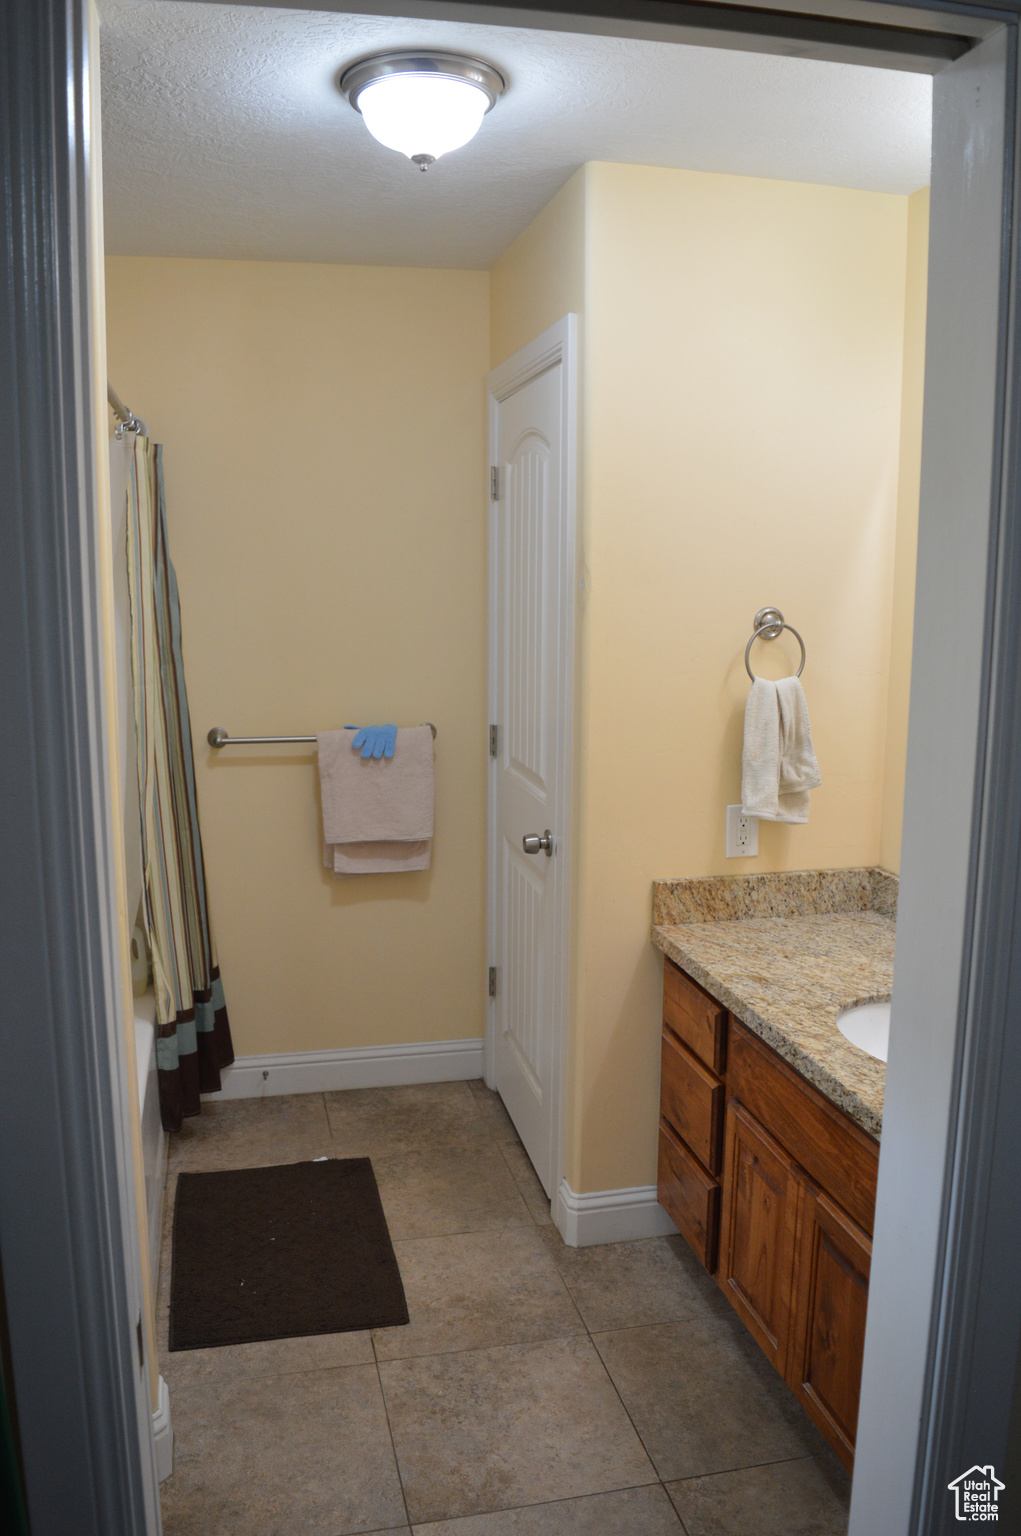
(129,422)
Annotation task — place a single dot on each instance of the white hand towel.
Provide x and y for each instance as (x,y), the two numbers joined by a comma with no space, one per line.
(799,770)
(778,764)
(377,813)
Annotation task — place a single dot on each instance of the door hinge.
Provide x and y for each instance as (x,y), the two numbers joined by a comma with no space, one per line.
(494,483)
(141,1346)
(492,981)
(494,737)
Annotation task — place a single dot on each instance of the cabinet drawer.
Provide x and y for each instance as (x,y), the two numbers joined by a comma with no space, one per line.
(689,1196)
(694,1016)
(691,1099)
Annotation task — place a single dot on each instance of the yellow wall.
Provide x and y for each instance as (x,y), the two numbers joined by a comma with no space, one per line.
(908,491)
(742,345)
(324,432)
(541,277)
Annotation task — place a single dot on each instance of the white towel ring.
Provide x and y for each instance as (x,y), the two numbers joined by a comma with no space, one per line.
(766,625)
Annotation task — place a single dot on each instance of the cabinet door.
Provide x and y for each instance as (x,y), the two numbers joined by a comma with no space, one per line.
(828,1340)
(761,1194)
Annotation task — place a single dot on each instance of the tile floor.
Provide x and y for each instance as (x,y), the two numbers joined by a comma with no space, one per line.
(538,1390)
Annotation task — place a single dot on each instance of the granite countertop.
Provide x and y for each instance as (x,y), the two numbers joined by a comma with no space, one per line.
(785,954)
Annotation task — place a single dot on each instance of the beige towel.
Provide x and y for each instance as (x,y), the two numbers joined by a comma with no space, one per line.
(377,858)
(778,766)
(377,813)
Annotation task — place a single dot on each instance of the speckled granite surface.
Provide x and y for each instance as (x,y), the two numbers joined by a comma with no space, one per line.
(797,893)
(884,892)
(787,978)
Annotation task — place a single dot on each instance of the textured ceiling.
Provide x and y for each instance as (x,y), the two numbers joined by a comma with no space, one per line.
(224,134)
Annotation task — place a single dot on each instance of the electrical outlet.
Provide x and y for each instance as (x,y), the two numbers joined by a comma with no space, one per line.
(742,834)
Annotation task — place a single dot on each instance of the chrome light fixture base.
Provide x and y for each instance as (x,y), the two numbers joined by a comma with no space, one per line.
(421,61)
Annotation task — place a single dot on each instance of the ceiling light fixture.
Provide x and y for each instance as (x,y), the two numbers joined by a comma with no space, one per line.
(422,102)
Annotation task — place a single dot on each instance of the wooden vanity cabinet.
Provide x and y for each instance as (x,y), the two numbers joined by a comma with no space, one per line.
(692,1100)
(835,1153)
(828,1337)
(695,1018)
(760,1229)
(689,1196)
(780,1207)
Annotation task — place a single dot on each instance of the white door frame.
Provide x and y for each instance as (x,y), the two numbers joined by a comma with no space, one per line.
(558,344)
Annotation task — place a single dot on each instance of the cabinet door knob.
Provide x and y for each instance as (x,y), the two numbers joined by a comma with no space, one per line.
(533,843)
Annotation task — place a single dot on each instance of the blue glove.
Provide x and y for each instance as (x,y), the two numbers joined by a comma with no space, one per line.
(375,740)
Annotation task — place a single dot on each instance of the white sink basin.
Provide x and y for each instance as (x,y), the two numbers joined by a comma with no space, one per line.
(868,1027)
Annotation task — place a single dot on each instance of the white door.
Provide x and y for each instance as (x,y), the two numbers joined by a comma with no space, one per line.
(532,447)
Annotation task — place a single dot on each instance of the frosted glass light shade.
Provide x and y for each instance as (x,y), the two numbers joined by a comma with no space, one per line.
(423,102)
(422,115)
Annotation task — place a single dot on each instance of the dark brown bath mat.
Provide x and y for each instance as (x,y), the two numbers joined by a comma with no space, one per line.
(276,1253)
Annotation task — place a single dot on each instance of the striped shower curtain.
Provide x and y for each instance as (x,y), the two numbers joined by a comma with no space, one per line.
(192,1032)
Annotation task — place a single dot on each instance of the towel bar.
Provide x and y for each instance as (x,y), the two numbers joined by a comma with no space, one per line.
(218,737)
(766,625)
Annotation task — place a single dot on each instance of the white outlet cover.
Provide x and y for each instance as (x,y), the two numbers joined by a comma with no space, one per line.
(742,834)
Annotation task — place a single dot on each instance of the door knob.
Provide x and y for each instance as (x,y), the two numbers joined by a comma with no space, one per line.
(533,843)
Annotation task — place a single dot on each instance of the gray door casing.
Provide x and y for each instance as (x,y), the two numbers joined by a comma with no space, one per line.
(68,1225)
(945,1319)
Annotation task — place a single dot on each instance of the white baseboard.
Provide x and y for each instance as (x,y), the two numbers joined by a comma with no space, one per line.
(163,1435)
(371,1066)
(610,1215)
